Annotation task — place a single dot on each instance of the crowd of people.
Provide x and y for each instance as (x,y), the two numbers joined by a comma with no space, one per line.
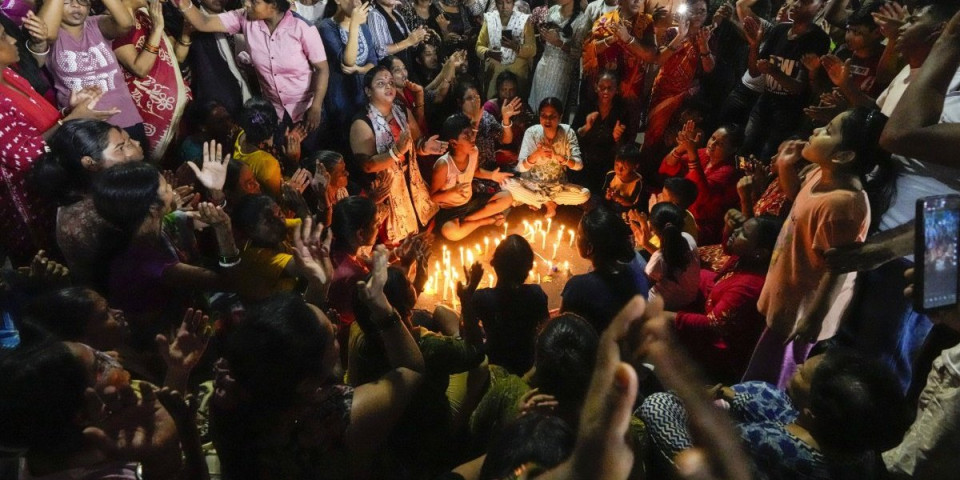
(217,219)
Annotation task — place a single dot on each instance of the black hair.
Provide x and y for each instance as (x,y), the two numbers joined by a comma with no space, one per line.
(198,114)
(609,236)
(507,76)
(462,87)
(282,5)
(327,158)
(877,170)
(512,260)
(767,231)
(379,67)
(328,10)
(566,351)
(247,215)
(864,15)
(388,61)
(735,135)
(545,440)
(65,312)
(258,119)
(349,215)
(567,28)
(857,403)
(453,126)
(42,396)
(629,153)
(609,73)
(668,219)
(683,189)
(554,102)
(59,174)
(278,344)
(125,193)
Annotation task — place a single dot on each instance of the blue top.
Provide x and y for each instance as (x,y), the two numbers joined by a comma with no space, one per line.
(345,96)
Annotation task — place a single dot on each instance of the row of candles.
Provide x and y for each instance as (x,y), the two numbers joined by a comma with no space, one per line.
(444,279)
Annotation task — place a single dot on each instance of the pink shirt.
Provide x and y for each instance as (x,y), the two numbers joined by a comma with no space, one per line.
(90,61)
(283,59)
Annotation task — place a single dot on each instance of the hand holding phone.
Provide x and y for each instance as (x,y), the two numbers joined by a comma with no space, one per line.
(936,252)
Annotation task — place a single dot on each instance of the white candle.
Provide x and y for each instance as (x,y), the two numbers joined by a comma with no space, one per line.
(496,243)
(469,258)
(555,245)
(490,280)
(571,238)
(530,276)
(549,224)
(505,225)
(566,267)
(549,267)
(543,241)
(538,277)
(486,245)
(461,256)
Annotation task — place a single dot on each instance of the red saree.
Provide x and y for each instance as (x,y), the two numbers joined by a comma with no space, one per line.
(162,94)
(671,87)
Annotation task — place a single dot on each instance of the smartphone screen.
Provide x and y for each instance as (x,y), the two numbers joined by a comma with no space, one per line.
(938,226)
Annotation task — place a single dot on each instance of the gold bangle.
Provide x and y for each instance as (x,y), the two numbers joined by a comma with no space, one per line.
(154,49)
(181,42)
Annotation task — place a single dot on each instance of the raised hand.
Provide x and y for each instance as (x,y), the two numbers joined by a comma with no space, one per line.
(753,31)
(689,136)
(589,121)
(37,29)
(210,214)
(811,61)
(535,402)
(45,271)
(360,13)
(618,130)
(311,251)
(155,9)
(890,17)
(371,291)
(83,104)
(472,277)
(214,172)
(433,146)
(404,143)
(300,180)
(183,350)
(838,70)
(497,176)
(418,35)
(723,13)
(294,137)
(124,425)
(184,197)
(511,109)
(703,38)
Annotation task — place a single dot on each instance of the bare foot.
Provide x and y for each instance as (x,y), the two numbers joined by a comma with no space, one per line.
(551,209)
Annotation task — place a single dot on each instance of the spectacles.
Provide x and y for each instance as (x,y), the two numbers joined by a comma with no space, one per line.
(380,85)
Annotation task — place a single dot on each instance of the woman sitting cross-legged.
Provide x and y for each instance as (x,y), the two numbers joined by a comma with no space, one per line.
(547,151)
(461,210)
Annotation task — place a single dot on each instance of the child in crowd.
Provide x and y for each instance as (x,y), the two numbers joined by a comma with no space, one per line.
(674,269)
(623,188)
(512,311)
(461,210)
(266,260)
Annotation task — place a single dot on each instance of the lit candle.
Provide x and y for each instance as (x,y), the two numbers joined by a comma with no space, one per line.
(530,276)
(534,266)
(571,238)
(549,267)
(490,279)
(496,243)
(537,226)
(505,225)
(549,224)
(486,245)
(469,258)
(461,256)
(566,267)
(538,277)
(526,228)
(477,248)
(555,245)
(543,241)
(560,234)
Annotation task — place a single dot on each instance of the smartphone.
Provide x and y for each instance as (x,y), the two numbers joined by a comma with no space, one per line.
(508,34)
(936,250)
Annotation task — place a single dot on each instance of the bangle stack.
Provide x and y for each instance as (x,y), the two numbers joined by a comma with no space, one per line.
(393,153)
(154,49)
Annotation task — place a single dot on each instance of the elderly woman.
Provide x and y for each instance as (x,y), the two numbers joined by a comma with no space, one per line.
(548,150)
(385,143)
(506,43)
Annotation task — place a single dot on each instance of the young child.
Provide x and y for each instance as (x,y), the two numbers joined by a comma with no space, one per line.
(623,188)
(513,311)
(462,211)
(675,267)
(679,191)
